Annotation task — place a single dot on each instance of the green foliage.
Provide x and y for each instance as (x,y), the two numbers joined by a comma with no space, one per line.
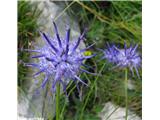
(27,30)
(107,21)
(113,22)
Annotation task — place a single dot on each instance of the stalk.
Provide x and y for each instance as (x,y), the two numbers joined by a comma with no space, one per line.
(126,92)
(57,101)
(89,93)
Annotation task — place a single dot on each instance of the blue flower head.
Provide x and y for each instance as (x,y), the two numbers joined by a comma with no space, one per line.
(59,59)
(111,53)
(126,57)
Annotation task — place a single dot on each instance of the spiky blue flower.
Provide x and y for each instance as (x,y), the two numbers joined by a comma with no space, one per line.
(60,59)
(126,57)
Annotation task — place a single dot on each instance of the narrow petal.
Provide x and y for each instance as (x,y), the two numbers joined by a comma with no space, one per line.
(86,57)
(83,70)
(77,87)
(58,38)
(83,50)
(67,43)
(54,85)
(137,71)
(44,81)
(28,50)
(50,59)
(57,78)
(78,42)
(109,47)
(49,42)
(31,65)
(117,48)
(39,72)
(125,47)
(64,87)
(80,80)
(134,49)
(38,56)
(118,65)
(104,57)
(87,66)
(131,68)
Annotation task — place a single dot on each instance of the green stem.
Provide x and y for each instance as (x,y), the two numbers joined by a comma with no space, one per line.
(89,93)
(57,101)
(65,104)
(126,92)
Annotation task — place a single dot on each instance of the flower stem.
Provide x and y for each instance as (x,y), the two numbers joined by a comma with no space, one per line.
(57,101)
(90,92)
(126,92)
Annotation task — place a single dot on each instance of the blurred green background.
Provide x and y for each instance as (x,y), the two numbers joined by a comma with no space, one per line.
(107,21)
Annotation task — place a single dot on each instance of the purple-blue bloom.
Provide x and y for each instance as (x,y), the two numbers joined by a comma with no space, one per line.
(59,59)
(126,57)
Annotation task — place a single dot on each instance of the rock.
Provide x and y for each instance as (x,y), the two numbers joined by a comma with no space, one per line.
(31,105)
(131,85)
(114,112)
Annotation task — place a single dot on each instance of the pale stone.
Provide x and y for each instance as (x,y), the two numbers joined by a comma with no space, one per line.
(31,105)
(114,112)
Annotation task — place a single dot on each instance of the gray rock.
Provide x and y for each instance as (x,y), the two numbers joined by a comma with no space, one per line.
(114,112)
(29,104)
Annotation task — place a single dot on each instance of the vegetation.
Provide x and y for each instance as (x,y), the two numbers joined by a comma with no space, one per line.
(27,31)
(107,21)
